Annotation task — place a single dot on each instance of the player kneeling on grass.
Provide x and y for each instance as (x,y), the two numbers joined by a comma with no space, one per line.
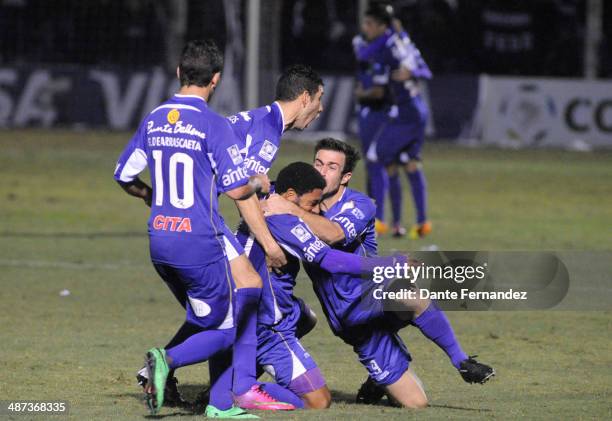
(346,222)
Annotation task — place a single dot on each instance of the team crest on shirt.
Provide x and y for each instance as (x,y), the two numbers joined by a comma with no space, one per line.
(173,116)
(234,153)
(357,213)
(301,233)
(267,151)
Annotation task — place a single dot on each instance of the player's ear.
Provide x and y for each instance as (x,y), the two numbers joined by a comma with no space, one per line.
(215,80)
(178,73)
(290,195)
(346,178)
(305,98)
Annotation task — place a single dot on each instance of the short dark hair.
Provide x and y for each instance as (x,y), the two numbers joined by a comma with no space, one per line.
(299,176)
(381,12)
(295,80)
(200,60)
(351,155)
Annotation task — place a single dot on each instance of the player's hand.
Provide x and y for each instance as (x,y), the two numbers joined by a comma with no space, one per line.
(359,92)
(401,75)
(275,256)
(148,197)
(397,25)
(278,205)
(260,183)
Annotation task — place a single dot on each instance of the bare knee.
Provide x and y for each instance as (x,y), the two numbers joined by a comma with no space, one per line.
(413,166)
(244,274)
(319,399)
(416,402)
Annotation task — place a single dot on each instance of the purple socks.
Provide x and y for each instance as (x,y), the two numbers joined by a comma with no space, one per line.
(378,187)
(419,194)
(395,192)
(200,347)
(436,327)
(245,348)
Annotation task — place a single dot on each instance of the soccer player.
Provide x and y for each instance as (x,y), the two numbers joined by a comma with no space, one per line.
(299,381)
(187,146)
(347,222)
(374,105)
(401,140)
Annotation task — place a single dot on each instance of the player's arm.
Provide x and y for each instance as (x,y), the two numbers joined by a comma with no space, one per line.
(133,161)
(251,212)
(242,190)
(374,92)
(138,188)
(329,232)
(301,241)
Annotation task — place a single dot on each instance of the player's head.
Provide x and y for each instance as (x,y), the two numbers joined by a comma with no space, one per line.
(200,65)
(377,19)
(303,86)
(301,184)
(335,160)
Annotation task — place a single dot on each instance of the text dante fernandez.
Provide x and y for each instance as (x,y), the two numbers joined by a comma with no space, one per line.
(463,294)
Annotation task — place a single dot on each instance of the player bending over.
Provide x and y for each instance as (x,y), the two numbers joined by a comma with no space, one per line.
(346,222)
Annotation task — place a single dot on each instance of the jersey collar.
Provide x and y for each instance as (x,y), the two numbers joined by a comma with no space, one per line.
(190,96)
(282,116)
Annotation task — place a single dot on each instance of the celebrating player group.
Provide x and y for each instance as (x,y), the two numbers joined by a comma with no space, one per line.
(241,314)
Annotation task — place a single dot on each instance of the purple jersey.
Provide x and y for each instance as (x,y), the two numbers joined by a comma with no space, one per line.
(259,132)
(187,146)
(392,50)
(277,301)
(340,294)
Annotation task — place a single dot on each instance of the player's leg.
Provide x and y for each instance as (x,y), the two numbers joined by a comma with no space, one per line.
(221,401)
(246,302)
(427,316)
(379,182)
(395,194)
(298,379)
(408,391)
(208,307)
(414,169)
(387,360)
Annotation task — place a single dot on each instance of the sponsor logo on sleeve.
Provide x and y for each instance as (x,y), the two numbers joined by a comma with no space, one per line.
(267,151)
(235,155)
(301,233)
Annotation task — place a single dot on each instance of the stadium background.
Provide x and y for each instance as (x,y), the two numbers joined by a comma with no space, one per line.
(77,287)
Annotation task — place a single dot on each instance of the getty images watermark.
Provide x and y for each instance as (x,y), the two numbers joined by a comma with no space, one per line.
(482,280)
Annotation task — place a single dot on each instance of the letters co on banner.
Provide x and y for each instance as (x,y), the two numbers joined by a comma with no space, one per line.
(533,112)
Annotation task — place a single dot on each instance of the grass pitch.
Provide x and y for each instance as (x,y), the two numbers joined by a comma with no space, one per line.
(65,225)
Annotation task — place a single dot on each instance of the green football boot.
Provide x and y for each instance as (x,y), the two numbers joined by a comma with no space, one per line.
(157,370)
(235,413)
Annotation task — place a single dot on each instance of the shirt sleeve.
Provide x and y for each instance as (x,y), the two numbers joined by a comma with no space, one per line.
(133,159)
(355,217)
(293,235)
(224,153)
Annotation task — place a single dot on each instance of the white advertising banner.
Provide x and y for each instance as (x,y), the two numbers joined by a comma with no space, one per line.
(534,112)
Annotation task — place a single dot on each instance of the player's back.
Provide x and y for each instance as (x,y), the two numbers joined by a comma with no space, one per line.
(259,132)
(174,138)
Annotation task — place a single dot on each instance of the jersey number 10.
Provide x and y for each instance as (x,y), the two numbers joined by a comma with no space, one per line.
(179,157)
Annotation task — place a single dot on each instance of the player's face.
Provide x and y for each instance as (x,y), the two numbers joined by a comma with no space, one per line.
(309,201)
(312,107)
(330,165)
(372,28)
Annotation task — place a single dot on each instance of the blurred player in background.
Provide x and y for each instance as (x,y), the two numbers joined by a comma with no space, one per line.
(374,105)
(399,143)
(346,222)
(188,146)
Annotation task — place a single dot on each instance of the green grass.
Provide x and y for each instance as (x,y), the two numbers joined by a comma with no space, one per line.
(65,224)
